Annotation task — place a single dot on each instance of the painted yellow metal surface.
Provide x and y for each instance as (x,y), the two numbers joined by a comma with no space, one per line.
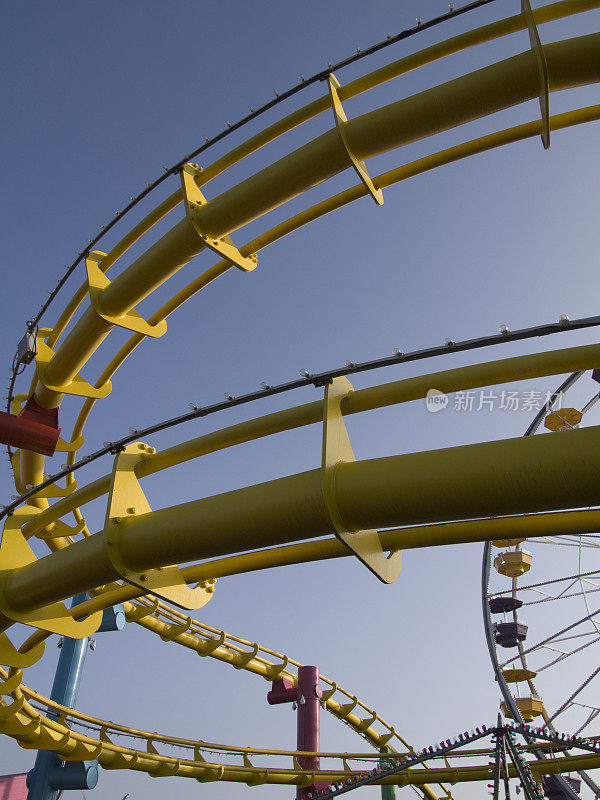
(126,500)
(74,385)
(337,450)
(130,320)
(341,120)
(538,50)
(348,503)
(513,564)
(53,617)
(191,180)
(443,485)
(529,707)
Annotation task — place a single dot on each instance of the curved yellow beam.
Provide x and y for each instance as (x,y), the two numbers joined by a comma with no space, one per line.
(34,730)
(498,139)
(32,464)
(438,535)
(474,376)
(402,66)
(514,476)
(486,91)
(99,337)
(380,76)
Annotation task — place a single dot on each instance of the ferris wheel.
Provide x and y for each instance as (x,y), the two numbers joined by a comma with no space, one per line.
(541,601)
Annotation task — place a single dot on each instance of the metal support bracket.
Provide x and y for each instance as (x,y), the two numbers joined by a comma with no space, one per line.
(60,529)
(56,491)
(126,499)
(78,386)
(536,46)
(131,320)
(337,450)
(341,119)
(57,529)
(193,201)
(55,617)
(49,491)
(11,657)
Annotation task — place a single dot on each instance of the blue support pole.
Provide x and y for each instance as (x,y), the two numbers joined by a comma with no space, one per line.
(388,791)
(44,777)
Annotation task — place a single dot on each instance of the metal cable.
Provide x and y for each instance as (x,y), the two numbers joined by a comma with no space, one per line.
(168,171)
(317,380)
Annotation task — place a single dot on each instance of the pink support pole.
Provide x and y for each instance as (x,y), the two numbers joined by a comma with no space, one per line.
(309,701)
(307,694)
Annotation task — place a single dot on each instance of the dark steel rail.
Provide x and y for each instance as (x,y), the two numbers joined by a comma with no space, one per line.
(319,379)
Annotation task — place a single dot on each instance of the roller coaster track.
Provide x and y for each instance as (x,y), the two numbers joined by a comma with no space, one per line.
(79,561)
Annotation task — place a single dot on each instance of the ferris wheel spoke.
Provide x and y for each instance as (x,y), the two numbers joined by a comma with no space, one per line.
(564,541)
(558,633)
(575,576)
(577,691)
(575,636)
(548,595)
(590,718)
(549,598)
(566,655)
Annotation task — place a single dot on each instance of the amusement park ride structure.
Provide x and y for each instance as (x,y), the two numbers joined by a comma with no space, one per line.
(371,509)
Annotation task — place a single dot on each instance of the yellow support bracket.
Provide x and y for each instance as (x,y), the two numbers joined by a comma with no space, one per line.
(55,617)
(78,386)
(10,710)
(339,115)
(536,46)
(126,499)
(56,491)
(10,684)
(49,491)
(131,320)
(57,529)
(193,201)
(138,612)
(337,450)
(10,656)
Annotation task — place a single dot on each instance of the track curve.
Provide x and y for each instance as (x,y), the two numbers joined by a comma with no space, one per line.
(64,350)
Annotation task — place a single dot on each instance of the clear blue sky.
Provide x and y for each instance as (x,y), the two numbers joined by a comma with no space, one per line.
(97,97)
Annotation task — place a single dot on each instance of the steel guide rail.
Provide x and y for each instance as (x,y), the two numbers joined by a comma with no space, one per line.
(318,380)
(442,750)
(279,98)
(233,751)
(404,764)
(532,789)
(176,168)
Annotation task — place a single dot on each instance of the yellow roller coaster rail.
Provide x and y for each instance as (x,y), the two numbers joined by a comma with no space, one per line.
(341,508)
